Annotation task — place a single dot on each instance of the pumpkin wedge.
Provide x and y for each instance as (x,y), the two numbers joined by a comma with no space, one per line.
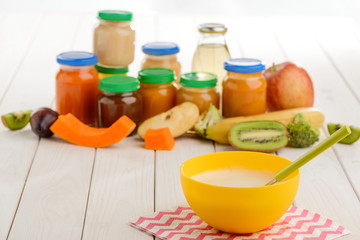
(71,129)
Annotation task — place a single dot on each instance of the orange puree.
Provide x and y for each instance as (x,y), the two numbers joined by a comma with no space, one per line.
(157,98)
(76,92)
(157,91)
(199,88)
(244,88)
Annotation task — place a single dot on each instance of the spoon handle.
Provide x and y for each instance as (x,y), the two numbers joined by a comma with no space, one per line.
(322,146)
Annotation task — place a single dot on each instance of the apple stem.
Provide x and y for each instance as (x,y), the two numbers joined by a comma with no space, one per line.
(273,68)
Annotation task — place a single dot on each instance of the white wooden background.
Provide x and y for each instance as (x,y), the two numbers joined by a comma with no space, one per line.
(50,189)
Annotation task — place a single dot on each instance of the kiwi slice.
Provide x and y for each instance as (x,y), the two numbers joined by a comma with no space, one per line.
(350,139)
(259,136)
(16,120)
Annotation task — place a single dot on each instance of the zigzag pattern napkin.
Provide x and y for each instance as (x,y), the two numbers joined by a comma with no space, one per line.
(184,224)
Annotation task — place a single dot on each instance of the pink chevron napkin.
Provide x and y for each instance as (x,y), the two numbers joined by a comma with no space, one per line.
(184,224)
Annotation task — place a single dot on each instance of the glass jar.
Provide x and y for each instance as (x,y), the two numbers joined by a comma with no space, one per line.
(77,85)
(244,88)
(199,88)
(108,72)
(119,96)
(114,38)
(157,90)
(212,51)
(162,55)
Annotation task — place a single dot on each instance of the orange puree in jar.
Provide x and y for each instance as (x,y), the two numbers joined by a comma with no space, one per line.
(244,88)
(77,85)
(199,88)
(162,55)
(157,90)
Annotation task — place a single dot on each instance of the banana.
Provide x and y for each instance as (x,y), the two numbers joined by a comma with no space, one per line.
(219,131)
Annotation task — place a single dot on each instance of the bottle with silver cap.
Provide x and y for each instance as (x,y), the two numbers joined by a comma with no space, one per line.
(212,51)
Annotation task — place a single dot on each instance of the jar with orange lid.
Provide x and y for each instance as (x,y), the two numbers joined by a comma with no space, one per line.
(77,85)
(119,96)
(157,90)
(162,55)
(114,38)
(244,87)
(199,88)
(108,72)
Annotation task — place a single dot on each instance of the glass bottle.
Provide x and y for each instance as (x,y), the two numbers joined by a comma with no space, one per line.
(212,51)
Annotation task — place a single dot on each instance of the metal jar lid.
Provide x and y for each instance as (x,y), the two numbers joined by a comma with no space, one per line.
(212,28)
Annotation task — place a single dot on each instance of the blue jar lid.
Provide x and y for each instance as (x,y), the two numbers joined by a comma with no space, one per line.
(160,48)
(244,65)
(77,58)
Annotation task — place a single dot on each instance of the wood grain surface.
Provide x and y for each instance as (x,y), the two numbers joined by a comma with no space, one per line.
(50,189)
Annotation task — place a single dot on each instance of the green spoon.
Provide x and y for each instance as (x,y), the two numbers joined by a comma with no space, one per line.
(328,142)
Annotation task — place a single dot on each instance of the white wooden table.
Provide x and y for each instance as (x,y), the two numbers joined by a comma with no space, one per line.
(50,189)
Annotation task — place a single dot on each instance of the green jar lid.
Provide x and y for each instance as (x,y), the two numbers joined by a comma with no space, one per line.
(108,70)
(118,84)
(198,80)
(156,75)
(115,15)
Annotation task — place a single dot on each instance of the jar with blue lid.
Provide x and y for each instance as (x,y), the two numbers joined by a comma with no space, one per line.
(244,87)
(77,85)
(162,55)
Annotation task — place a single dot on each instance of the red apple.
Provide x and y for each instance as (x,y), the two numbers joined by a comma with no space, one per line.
(288,86)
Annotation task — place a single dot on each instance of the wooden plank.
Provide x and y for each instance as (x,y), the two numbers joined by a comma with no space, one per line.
(33,88)
(14,164)
(328,84)
(299,47)
(122,189)
(168,192)
(17,152)
(12,34)
(54,200)
(342,47)
(123,182)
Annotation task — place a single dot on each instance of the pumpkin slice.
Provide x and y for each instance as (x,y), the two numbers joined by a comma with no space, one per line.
(159,139)
(71,129)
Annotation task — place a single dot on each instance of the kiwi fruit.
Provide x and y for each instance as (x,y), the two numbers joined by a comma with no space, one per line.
(16,120)
(258,136)
(350,139)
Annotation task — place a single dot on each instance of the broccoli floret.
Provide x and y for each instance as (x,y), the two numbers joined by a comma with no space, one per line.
(207,118)
(301,132)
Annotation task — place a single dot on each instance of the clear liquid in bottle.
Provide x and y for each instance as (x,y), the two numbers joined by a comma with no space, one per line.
(212,51)
(210,57)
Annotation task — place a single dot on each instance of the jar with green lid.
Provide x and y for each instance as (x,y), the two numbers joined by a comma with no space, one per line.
(114,38)
(157,90)
(108,72)
(199,88)
(119,96)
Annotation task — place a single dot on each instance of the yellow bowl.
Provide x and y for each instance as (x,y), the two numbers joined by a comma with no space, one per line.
(238,209)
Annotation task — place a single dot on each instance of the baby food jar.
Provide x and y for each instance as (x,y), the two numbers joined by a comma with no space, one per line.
(199,88)
(119,97)
(77,85)
(244,87)
(108,72)
(162,55)
(157,90)
(114,38)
